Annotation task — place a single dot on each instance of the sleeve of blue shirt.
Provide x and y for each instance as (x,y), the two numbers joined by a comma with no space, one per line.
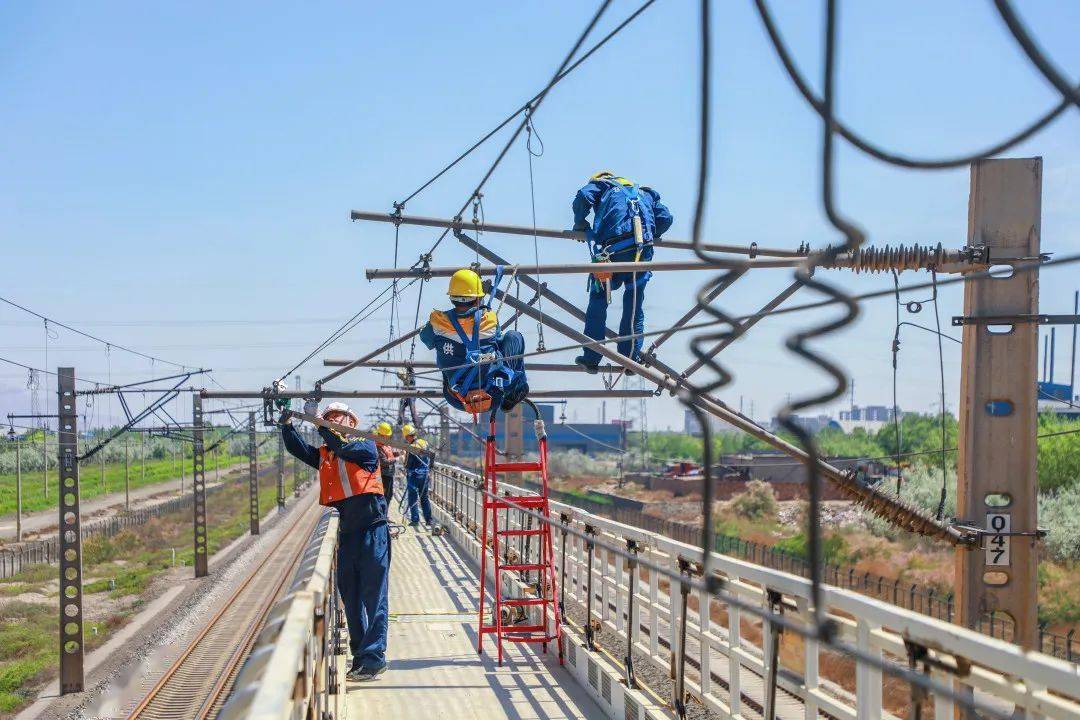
(661,215)
(298,447)
(427,336)
(362,452)
(584,201)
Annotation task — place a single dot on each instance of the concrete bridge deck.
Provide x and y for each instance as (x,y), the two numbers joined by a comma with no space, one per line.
(435,671)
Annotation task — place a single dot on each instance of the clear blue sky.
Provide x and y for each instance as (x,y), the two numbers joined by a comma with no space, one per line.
(177,177)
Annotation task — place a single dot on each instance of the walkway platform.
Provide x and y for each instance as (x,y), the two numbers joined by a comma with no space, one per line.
(435,672)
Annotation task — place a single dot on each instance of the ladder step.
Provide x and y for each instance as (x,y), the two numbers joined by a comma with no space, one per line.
(526,601)
(527,501)
(521,533)
(529,638)
(513,629)
(522,568)
(516,467)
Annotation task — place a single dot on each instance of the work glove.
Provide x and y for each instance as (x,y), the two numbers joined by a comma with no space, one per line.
(311,406)
(582,227)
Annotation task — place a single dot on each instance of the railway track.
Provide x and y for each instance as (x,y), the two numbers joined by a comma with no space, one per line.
(198,682)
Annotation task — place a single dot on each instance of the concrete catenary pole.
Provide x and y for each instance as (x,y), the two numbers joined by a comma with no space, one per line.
(997,485)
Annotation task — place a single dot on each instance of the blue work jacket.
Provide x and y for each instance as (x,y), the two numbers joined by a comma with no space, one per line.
(609,202)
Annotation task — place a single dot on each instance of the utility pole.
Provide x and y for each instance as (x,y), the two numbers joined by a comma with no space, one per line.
(71,589)
(198,486)
(127,475)
(444,433)
(101,464)
(144,459)
(1072,363)
(253,477)
(45,459)
(18,489)
(996,481)
(280,472)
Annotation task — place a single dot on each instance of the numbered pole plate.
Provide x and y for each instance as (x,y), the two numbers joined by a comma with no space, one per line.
(997,543)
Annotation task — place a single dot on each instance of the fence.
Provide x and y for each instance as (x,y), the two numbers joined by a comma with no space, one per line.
(928,601)
(14,560)
(728,657)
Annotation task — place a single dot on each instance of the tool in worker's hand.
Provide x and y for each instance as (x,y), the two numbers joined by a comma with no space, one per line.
(346,431)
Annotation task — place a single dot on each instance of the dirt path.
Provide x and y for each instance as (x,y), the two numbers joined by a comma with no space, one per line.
(104,505)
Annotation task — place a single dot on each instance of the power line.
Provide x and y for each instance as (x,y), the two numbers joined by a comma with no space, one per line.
(874,150)
(104,342)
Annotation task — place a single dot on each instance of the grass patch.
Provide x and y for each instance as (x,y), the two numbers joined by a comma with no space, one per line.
(124,566)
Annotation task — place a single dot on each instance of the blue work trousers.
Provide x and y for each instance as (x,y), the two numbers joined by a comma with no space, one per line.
(632,307)
(418,498)
(363,579)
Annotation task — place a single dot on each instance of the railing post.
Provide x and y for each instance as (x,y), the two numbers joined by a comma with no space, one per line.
(589,546)
(633,548)
(867,678)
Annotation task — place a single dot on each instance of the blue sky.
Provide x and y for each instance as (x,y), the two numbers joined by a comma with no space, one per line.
(178,177)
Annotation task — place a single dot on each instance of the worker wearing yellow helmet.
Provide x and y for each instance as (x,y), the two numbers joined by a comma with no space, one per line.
(482,366)
(417,468)
(387,458)
(627,219)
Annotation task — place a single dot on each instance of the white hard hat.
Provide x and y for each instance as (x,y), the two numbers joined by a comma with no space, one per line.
(341,408)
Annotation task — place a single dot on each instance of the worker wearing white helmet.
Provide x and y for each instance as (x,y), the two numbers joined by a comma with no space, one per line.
(351,483)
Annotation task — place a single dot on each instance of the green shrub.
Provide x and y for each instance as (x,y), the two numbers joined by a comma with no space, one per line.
(834,548)
(757,503)
(1059,513)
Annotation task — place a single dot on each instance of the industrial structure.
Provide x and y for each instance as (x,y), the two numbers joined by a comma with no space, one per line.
(637,624)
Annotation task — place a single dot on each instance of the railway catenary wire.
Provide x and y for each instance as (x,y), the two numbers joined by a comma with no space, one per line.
(853,240)
(195,685)
(873,149)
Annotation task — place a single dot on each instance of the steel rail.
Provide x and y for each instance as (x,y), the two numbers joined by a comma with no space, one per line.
(399,394)
(577,268)
(899,512)
(502,229)
(428,365)
(742,328)
(145,708)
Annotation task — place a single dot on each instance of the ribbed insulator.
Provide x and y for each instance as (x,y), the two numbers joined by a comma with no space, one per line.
(904,257)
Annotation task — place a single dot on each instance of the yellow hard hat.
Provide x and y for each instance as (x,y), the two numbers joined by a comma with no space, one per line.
(407,430)
(602,174)
(421,443)
(384,429)
(465,284)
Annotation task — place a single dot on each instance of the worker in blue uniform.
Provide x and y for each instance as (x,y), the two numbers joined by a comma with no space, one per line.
(417,481)
(627,218)
(482,366)
(350,482)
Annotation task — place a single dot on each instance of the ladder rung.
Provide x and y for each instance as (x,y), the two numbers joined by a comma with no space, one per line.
(521,533)
(522,568)
(526,601)
(528,638)
(516,467)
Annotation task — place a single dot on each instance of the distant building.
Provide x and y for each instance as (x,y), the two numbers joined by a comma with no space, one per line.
(588,438)
(871,413)
(692,427)
(811,425)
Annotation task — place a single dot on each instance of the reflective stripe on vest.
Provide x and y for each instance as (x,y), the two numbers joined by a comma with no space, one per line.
(340,479)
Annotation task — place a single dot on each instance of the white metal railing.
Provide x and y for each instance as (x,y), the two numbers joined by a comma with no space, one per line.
(726,648)
(291,672)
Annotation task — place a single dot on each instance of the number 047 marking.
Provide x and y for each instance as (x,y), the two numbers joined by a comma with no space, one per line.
(997,543)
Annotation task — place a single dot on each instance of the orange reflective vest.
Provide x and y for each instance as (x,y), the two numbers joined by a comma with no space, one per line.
(387,459)
(340,479)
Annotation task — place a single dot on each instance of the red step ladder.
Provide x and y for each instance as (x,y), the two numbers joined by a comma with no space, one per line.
(547,592)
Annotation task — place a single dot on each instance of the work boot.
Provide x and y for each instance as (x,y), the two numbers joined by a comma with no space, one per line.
(365,674)
(589,367)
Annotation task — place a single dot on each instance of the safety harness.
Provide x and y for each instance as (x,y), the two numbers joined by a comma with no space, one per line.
(603,252)
(465,384)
